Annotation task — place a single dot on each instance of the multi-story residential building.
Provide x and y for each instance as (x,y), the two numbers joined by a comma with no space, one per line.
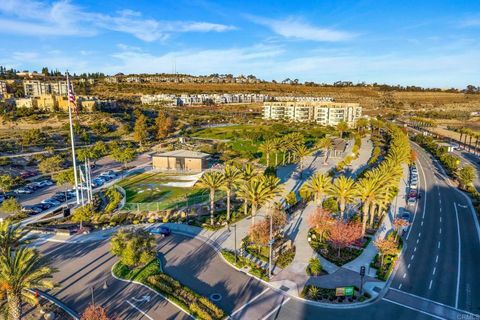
(3,89)
(35,88)
(198,99)
(322,112)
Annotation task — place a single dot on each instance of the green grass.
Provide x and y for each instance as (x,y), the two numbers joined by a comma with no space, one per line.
(148,187)
(137,274)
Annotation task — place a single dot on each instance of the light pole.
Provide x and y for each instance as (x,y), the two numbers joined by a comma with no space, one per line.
(235,240)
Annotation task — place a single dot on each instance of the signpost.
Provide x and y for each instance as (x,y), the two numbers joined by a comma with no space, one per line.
(362,274)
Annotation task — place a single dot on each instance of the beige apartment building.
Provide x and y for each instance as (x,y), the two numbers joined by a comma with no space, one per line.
(321,112)
(180,160)
(35,88)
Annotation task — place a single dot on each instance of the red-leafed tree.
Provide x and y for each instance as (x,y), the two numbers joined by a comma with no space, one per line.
(321,221)
(385,247)
(343,234)
(399,224)
(260,231)
(95,312)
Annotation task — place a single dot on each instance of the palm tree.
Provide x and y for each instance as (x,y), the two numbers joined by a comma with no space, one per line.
(231,177)
(343,191)
(301,151)
(248,173)
(367,190)
(277,145)
(22,271)
(258,192)
(11,236)
(461,131)
(266,148)
(212,181)
(317,186)
(326,144)
(342,126)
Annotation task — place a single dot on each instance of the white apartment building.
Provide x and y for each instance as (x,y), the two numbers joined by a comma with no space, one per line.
(321,112)
(35,88)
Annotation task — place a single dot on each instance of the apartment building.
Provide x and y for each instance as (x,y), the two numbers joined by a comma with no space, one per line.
(35,88)
(321,112)
(3,88)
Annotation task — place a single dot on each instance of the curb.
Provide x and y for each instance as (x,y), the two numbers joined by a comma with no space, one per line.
(154,291)
(72,313)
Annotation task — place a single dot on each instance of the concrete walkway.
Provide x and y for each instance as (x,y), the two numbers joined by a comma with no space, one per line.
(361,163)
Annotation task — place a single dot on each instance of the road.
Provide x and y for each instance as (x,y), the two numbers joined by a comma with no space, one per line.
(437,274)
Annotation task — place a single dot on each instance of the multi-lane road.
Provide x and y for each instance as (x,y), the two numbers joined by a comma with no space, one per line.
(437,275)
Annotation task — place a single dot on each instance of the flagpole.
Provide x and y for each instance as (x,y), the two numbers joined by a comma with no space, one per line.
(73,143)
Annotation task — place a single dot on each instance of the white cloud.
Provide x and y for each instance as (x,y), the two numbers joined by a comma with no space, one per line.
(295,28)
(30,17)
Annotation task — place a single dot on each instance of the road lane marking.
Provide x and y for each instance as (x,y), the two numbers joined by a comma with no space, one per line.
(418,240)
(436,259)
(434,269)
(275,310)
(400,286)
(421,224)
(440,219)
(408,267)
(440,230)
(415,249)
(440,208)
(249,302)
(404,275)
(430,285)
(414,309)
(438,245)
(420,234)
(459,256)
(411,258)
(139,310)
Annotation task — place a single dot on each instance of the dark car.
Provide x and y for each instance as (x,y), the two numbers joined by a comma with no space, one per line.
(163,231)
(44,206)
(60,196)
(32,210)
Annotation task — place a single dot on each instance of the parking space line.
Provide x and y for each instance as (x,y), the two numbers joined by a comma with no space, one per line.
(275,309)
(249,302)
(139,310)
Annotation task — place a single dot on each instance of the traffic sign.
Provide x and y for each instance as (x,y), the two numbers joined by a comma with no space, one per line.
(344,291)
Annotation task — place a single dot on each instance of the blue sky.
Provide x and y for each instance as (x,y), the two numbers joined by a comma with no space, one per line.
(430,43)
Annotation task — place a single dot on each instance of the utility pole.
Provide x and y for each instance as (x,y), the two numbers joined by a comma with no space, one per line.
(270,244)
(235,240)
(362,275)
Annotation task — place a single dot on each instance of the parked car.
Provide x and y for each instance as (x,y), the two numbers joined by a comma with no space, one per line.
(411,202)
(412,194)
(97,182)
(2,198)
(44,206)
(109,174)
(23,190)
(52,201)
(45,183)
(163,231)
(32,209)
(59,196)
(413,186)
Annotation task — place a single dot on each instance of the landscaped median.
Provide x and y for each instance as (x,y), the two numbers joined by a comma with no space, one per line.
(152,276)
(243,263)
(336,296)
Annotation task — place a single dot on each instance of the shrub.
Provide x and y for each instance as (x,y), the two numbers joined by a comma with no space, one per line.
(200,312)
(210,305)
(314,267)
(286,258)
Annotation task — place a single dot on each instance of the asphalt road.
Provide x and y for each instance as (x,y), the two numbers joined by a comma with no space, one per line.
(437,275)
(86,266)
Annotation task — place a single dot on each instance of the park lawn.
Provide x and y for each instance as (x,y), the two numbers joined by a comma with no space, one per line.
(148,188)
(229,132)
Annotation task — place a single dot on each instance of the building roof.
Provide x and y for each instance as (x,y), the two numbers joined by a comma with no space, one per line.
(182,154)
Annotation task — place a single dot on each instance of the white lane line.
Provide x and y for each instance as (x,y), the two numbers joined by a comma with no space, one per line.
(440,230)
(436,259)
(139,310)
(404,275)
(440,208)
(400,286)
(420,234)
(249,302)
(421,224)
(415,249)
(413,256)
(434,269)
(440,219)
(438,245)
(408,267)
(414,309)
(418,240)
(430,285)
(459,256)
(275,310)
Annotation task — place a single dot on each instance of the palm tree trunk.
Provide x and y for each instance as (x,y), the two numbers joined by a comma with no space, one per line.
(276,159)
(284,158)
(212,205)
(342,208)
(228,204)
(371,213)
(364,217)
(268,158)
(245,207)
(470,144)
(254,212)
(14,307)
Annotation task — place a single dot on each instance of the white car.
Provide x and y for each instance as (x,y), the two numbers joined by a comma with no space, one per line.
(51,201)
(411,202)
(413,186)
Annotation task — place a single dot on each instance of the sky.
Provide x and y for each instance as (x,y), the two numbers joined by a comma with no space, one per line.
(429,43)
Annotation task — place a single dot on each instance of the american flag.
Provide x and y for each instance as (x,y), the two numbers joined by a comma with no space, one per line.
(71,96)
